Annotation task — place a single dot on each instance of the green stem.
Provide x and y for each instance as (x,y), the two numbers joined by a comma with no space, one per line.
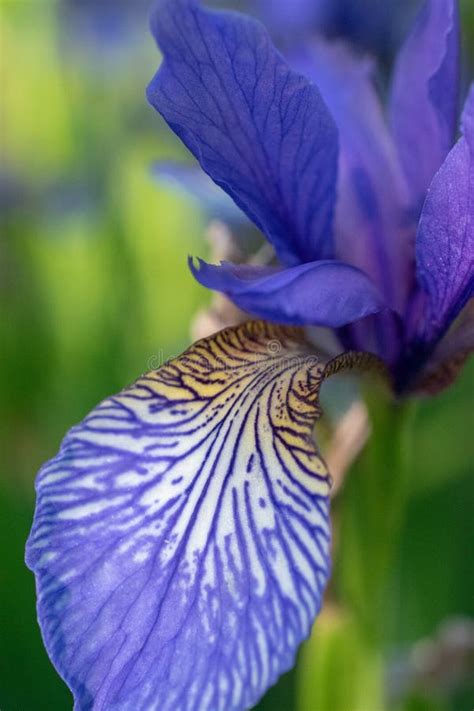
(371,513)
(342,667)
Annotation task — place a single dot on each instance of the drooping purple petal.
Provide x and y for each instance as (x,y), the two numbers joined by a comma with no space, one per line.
(372,229)
(445,240)
(326,293)
(181,536)
(261,131)
(425,94)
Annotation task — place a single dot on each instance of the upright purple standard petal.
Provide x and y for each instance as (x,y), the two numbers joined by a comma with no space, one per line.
(260,130)
(291,19)
(425,93)
(181,535)
(371,25)
(445,240)
(371,214)
(326,293)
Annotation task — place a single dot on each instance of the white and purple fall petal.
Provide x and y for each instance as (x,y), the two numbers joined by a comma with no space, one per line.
(181,534)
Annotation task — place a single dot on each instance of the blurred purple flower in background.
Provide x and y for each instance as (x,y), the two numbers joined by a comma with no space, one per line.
(181,535)
(103,25)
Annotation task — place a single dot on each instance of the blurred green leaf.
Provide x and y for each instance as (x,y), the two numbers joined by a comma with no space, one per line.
(423,702)
(337,671)
(28,681)
(443,435)
(432,577)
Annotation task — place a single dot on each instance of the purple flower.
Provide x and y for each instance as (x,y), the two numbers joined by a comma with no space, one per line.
(372,25)
(371,222)
(181,535)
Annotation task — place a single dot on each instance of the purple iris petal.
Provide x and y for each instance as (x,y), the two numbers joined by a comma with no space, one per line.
(425,94)
(293,18)
(467,118)
(371,215)
(261,131)
(326,293)
(445,240)
(181,536)
(379,333)
(373,25)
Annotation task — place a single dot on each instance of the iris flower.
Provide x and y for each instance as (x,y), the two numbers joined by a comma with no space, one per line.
(181,535)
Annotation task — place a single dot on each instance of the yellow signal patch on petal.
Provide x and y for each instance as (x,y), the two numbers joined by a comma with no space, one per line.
(260,364)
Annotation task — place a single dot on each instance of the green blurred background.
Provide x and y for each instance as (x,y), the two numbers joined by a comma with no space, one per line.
(94,284)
